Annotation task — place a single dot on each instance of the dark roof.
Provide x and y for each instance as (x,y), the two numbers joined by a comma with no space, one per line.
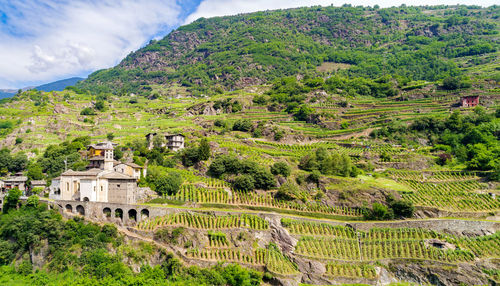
(17,179)
(103,146)
(170,135)
(96,158)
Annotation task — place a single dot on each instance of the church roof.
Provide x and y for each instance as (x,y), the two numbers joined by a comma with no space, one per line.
(117,176)
(91,172)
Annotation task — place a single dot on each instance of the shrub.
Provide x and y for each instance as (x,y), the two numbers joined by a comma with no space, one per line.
(244,125)
(220,123)
(378,212)
(244,183)
(278,135)
(281,168)
(87,111)
(11,200)
(19,140)
(168,184)
(314,177)
(99,105)
(402,209)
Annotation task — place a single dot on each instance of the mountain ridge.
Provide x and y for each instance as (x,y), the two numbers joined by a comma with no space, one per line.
(231,52)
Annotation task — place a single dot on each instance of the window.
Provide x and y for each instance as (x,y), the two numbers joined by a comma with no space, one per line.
(118,185)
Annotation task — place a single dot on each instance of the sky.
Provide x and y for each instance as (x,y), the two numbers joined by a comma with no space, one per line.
(47,40)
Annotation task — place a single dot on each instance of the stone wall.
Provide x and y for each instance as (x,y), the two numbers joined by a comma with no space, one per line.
(130,214)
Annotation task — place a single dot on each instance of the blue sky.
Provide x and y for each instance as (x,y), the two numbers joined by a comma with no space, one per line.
(46,40)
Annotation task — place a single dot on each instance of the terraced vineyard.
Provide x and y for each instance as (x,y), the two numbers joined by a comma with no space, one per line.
(344,244)
(350,270)
(271,258)
(451,191)
(190,193)
(201,221)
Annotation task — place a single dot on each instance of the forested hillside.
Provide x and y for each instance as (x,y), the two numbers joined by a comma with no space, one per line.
(223,53)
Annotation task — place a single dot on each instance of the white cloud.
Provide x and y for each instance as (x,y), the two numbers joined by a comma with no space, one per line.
(211,8)
(51,39)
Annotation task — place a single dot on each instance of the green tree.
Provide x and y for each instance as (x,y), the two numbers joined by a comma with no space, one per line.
(402,209)
(32,201)
(378,212)
(100,105)
(204,150)
(244,183)
(35,172)
(281,168)
(11,200)
(168,184)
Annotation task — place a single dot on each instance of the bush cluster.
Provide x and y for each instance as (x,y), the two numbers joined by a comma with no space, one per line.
(249,174)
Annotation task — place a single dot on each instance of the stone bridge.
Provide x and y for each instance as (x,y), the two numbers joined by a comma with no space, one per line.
(122,214)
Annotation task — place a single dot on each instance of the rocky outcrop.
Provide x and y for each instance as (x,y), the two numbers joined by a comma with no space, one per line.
(201,109)
(439,274)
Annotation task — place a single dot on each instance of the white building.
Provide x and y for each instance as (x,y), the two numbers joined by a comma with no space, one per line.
(104,181)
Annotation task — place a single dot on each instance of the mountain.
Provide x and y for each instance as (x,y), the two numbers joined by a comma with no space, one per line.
(225,53)
(4,93)
(52,86)
(59,85)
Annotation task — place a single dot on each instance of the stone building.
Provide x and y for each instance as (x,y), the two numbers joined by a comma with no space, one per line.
(130,169)
(469,101)
(174,142)
(105,180)
(17,181)
(38,184)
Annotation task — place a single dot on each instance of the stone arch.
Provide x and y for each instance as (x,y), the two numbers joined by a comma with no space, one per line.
(144,214)
(69,208)
(106,212)
(85,199)
(119,213)
(80,210)
(132,214)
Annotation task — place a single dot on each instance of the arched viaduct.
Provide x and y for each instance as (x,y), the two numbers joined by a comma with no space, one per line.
(122,214)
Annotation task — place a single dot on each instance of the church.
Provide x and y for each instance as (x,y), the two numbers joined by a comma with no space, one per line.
(105,179)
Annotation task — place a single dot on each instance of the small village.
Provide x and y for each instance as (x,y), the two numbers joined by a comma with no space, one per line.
(105,179)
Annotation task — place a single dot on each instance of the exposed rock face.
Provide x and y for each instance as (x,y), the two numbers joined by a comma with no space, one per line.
(60,109)
(435,274)
(201,109)
(279,234)
(38,256)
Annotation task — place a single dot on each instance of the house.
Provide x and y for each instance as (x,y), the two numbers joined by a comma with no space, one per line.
(101,155)
(175,142)
(130,169)
(469,101)
(149,139)
(38,184)
(100,182)
(18,181)
(54,189)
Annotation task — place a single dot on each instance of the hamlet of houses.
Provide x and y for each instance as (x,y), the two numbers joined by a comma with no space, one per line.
(105,180)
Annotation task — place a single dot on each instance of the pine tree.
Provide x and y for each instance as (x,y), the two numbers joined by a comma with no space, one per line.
(204,150)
